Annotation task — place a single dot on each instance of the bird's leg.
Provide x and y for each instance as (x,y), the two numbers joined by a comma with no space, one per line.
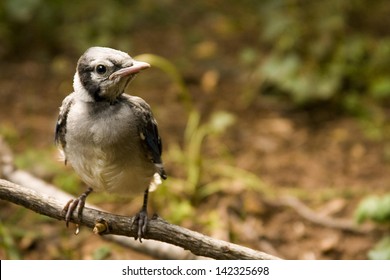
(141,219)
(72,204)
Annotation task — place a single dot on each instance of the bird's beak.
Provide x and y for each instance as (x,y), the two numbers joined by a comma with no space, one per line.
(133,69)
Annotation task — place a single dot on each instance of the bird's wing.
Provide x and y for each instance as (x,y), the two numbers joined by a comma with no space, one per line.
(148,131)
(61,122)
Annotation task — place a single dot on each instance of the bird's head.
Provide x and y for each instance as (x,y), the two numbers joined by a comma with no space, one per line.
(103,74)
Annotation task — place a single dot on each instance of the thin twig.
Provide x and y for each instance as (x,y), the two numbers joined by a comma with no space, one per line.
(315,218)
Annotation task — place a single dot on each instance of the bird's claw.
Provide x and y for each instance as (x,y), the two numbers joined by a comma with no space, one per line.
(71,206)
(141,220)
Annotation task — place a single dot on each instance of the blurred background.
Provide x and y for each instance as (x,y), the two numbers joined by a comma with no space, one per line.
(257,101)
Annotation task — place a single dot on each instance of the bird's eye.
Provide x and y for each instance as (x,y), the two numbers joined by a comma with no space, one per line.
(101,69)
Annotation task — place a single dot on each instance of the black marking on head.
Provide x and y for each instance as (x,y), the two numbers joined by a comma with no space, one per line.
(85,73)
(93,87)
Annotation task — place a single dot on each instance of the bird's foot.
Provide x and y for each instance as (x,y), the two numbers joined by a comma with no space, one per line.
(141,220)
(71,206)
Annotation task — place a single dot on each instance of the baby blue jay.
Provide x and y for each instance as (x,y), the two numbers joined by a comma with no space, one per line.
(110,138)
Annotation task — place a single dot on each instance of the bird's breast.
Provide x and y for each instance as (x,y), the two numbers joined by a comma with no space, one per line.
(101,123)
(103,147)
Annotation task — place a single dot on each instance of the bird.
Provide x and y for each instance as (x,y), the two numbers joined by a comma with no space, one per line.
(110,138)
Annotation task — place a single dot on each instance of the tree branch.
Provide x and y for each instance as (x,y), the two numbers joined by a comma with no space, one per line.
(158,229)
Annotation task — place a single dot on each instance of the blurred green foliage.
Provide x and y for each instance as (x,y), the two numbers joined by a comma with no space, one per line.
(40,163)
(311,51)
(7,242)
(59,26)
(376,209)
(337,51)
(381,251)
(171,70)
(101,253)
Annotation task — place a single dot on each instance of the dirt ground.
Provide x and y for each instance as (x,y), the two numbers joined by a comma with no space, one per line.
(323,158)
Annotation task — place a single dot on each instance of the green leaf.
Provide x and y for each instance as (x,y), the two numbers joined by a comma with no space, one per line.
(220,121)
(374,208)
(381,251)
(101,253)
